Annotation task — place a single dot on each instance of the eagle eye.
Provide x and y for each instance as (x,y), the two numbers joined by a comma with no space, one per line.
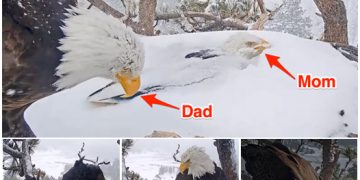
(250,43)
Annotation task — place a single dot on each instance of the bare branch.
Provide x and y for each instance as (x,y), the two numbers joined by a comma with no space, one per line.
(261,6)
(96,162)
(168,16)
(190,15)
(123,3)
(104,162)
(12,152)
(81,150)
(176,152)
(89,160)
(302,142)
(259,24)
(103,6)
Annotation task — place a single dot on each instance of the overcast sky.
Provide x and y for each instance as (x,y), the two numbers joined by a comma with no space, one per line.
(169,146)
(52,155)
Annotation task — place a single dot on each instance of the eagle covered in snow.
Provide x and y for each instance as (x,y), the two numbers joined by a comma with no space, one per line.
(99,45)
(197,165)
(241,44)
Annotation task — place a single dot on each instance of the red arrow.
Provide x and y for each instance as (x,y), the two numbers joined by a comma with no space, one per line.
(151,100)
(274,61)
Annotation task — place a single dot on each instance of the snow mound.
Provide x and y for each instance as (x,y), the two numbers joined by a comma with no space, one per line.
(249,98)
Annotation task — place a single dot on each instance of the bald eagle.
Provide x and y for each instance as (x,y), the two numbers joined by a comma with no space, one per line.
(99,45)
(276,162)
(241,44)
(197,165)
(244,45)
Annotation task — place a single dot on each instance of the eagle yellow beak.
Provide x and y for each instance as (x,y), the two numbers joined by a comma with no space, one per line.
(262,46)
(130,85)
(184,166)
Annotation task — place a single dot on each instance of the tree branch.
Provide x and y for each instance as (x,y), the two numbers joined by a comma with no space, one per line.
(264,17)
(81,150)
(302,142)
(176,152)
(261,6)
(104,162)
(12,168)
(228,22)
(12,152)
(104,7)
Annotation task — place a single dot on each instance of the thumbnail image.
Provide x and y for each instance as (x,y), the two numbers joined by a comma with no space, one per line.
(196,68)
(307,159)
(61,159)
(180,159)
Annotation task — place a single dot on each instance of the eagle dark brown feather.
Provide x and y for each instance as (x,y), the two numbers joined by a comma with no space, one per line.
(31,30)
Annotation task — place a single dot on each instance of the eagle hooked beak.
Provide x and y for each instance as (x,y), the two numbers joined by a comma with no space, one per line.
(184,166)
(262,46)
(130,84)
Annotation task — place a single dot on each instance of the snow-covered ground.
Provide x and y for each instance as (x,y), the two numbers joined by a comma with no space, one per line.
(249,98)
(148,164)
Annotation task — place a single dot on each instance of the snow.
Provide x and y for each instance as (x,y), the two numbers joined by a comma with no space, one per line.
(20,4)
(249,98)
(317,22)
(10,92)
(148,164)
(352,17)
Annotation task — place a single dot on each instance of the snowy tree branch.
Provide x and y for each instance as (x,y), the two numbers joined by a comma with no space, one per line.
(12,168)
(261,6)
(264,17)
(12,152)
(228,22)
(103,6)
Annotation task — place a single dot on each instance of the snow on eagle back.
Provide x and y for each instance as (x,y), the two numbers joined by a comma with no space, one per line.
(249,98)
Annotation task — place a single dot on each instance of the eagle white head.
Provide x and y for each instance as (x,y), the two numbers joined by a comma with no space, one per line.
(99,45)
(197,162)
(245,44)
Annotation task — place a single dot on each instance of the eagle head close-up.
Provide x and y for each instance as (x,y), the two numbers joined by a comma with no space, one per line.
(245,44)
(99,45)
(197,162)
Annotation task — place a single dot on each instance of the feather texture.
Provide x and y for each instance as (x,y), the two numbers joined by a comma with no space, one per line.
(96,45)
(200,162)
(244,44)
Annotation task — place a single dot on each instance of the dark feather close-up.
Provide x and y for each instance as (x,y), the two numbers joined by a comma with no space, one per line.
(31,33)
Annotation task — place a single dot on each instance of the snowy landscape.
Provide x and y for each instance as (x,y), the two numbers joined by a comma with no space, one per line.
(184,81)
(250,99)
